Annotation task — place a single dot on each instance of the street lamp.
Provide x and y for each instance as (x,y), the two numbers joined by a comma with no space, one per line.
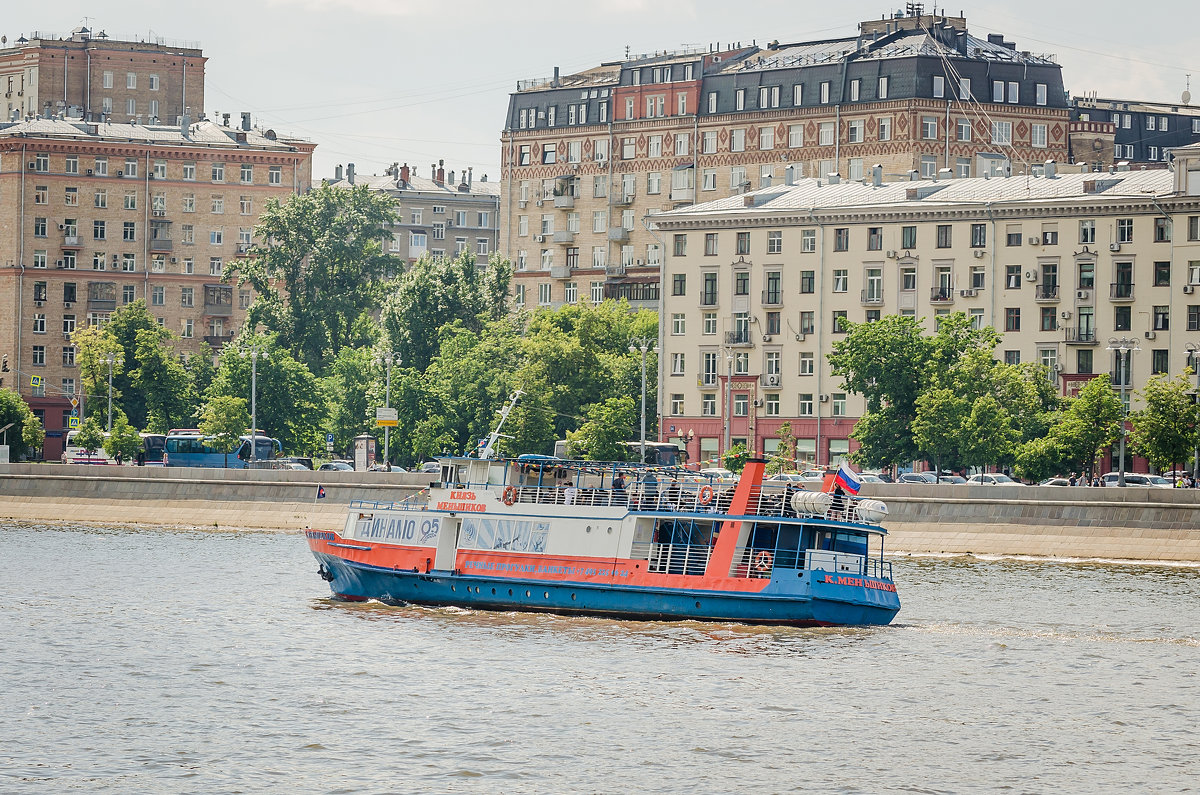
(1123,346)
(388,359)
(728,404)
(255,352)
(645,345)
(111,358)
(1193,351)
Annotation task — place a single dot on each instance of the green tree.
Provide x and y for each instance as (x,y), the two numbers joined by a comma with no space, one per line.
(351,387)
(136,333)
(124,442)
(90,436)
(320,268)
(784,457)
(168,391)
(1165,431)
(988,434)
(26,431)
(1038,459)
(291,405)
(200,370)
(92,346)
(224,418)
(939,429)
(435,292)
(603,436)
(1091,421)
(736,456)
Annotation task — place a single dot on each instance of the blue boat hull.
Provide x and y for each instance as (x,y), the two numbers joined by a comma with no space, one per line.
(809,606)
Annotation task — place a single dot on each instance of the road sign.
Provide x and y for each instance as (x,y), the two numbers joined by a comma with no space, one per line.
(329,438)
(74,402)
(329,447)
(35,380)
(386,423)
(74,412)
(387,414)
(72,422)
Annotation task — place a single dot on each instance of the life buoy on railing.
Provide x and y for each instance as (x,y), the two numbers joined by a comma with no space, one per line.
(763,562)
(510,495)
(706,495)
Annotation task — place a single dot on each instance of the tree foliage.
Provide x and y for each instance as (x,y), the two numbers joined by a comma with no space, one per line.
(123,442)
(1165,430)
(320,268)
(26,431)
(90,436)
(223,419)
(602,437)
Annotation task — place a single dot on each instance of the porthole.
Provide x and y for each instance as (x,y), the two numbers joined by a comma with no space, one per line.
(546,595)
(452,588)
(510,591)
(610,531)
(493,592)
(697,605)
(589,529)
(529,593)
(572,597)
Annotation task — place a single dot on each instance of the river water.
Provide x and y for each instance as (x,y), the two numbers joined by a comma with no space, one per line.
(167,661)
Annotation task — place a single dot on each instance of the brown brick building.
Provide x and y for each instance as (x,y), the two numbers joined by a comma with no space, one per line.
(89,75)
(99,215)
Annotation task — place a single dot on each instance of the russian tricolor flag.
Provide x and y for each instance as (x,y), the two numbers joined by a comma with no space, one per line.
(847,479)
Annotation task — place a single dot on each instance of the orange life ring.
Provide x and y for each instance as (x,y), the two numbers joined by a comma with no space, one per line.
(706,495)
(510,495)
(763,561)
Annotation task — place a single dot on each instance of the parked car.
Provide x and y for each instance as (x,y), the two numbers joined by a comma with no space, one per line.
(883,477)
(952,480)
(1138,479)
(336,466)
(430,468)
(304,461)
(868,477)
(787,477)
(296,465)
(916,477)
(992,479)
(717,472)
(1055,482)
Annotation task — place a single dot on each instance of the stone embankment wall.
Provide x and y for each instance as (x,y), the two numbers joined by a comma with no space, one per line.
(1131,523)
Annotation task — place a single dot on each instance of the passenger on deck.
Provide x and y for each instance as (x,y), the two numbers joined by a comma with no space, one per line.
(838,509)
(620,497)
(571,493)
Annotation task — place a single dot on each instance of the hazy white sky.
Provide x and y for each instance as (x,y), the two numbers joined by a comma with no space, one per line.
(377,81)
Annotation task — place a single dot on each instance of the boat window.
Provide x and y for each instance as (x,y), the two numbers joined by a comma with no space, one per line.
(854,543)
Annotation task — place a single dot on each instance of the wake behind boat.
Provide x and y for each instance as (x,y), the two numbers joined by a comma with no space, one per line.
(616,540)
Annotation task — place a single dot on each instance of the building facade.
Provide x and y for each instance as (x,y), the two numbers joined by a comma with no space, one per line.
(1141,132)
(98,215)
(96,77)
(436,215)
(757,288)
(588,157)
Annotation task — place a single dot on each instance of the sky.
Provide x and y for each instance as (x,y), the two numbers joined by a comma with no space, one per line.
(379,81)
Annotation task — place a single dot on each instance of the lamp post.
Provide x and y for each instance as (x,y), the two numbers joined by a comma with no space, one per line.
(645,345)
(728,406)
(1123,346)
(255,352)
(389,358)
(111,358)
(1193,351)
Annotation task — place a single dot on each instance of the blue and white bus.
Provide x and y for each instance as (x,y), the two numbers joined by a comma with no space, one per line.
(151,453)
(190,448)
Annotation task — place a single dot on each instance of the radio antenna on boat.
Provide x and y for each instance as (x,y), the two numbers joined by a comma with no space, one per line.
(488,448)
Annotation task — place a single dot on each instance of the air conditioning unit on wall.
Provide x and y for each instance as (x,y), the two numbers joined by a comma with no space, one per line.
(772,380)
(823,398)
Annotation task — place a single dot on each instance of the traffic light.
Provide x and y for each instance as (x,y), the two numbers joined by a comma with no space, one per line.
(4,364)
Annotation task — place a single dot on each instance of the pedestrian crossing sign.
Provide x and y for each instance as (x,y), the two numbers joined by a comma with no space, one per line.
(36,380)
(72,422)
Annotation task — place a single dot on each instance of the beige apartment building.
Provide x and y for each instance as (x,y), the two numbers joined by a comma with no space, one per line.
(98,215)
(437,215)
(1060,262)
(588,157)
(90,75)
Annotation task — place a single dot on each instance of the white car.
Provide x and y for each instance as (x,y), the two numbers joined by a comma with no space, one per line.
(718,472)
(1138,479)
(992,479)
(787,477)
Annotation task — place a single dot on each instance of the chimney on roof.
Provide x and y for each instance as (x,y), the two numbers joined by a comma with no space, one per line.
(946,173)
(441,173)
(913,175)
(789,176)
(1051,168)
(470,177)
(350,173)
(555,83)
(404,174)
(834,177)
(451,175)
(483,178)
(877,175)
(225,118)
(185,123)
(245,121)
(337,173)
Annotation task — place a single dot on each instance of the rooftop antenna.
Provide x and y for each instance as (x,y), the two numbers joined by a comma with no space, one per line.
(1187,90)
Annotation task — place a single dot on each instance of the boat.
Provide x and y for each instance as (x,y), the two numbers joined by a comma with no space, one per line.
(616,540)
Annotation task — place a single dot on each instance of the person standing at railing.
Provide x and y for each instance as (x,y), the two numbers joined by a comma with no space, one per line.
(620,497)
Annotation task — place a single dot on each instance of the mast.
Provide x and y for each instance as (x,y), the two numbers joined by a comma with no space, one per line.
(489,447)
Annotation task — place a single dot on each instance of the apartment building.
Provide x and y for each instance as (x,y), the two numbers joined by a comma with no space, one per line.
(588,157)
(1059,262)
(1141,132)
(94,216)
(90,75)
(437,215)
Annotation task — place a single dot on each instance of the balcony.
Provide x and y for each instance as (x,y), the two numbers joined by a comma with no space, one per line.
(623,200)
(217,341)
(683,194)
(707,379)
(559,271)
(564,238)
(871,297)
(618,234)
(1080,336)
(1120,291)
(941,295)
(243,250)
(564,202)
(101,305)
(1045,293)
(71,241)
(161,244)
(738,339)
(218,310)
(614,269)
